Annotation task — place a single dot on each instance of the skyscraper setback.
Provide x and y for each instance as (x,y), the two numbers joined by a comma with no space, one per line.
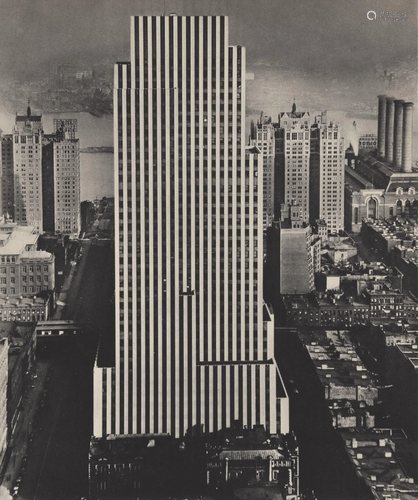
(194,347)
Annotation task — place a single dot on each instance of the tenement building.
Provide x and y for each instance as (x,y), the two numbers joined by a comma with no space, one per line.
(383,184)
(194,347)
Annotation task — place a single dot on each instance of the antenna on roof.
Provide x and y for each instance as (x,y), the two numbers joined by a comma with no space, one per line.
(28,110)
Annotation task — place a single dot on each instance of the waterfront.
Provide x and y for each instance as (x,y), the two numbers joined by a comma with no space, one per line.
(96,169)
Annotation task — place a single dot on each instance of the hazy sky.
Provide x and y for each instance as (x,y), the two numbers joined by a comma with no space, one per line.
(331,36)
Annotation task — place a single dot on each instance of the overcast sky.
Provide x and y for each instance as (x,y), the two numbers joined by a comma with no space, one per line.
(324,35)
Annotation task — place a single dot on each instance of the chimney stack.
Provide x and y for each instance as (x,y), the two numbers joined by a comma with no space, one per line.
(381,126)
(407,137)
(390,112)
(397,133)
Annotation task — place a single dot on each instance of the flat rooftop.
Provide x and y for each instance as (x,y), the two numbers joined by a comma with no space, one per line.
(16,238)
(374,458)
(410,351)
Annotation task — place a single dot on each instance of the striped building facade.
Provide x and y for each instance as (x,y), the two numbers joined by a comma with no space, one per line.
(194,347)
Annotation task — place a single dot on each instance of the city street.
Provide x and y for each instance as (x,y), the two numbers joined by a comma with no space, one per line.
(57,462)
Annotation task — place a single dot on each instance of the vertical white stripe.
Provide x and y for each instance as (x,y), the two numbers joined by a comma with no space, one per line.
(220,390)
(152,236)
(236,369)
(126,250)
(117,239)
(210,389)
(134,306)
(210,209)
(160,214)
(202,288)
(193,222)
(168,225)
(262,392)
(244,395)
(177,353)
(229,398)
(109,408)
(273,411)
(143,256)
(185,212)
(97,403)
(254,401)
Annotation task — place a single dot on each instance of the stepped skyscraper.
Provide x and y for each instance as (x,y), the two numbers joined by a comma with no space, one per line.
(194,346)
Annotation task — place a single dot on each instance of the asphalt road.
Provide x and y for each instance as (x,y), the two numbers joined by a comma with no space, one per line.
(57,465)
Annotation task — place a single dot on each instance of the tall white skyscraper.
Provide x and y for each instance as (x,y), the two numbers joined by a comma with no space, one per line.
(194,347)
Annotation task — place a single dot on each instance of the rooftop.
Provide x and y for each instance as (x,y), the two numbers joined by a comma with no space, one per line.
(335,358)
(372,454)
(16,238)
(410,351)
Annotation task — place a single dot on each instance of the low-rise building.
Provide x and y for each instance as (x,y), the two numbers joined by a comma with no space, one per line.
(406,260)
(374,456)
(4,366)
(382,236)
(25,273)
(339,248)
(331,309)
(133,466)
(352,294)
(21,366)
(342,374)
(402,373)
(250,457)
(367,142)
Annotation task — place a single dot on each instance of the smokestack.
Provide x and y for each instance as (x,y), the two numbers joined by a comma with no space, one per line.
(381,126)
(407,137)
(390,112)
(397,133)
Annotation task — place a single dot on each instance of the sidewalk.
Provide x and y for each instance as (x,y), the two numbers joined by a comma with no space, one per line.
(24,429)
(63,295)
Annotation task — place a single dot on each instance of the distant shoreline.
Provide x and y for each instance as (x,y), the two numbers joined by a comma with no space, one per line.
(97,149)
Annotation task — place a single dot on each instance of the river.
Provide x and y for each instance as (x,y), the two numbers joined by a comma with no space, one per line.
(96,169)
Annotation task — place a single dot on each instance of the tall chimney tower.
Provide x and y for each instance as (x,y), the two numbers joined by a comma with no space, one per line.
(397,133)
(381,126)
(407,137)
(390,112)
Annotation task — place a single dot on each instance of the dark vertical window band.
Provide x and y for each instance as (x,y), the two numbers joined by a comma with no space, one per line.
(145,51)
(136,48)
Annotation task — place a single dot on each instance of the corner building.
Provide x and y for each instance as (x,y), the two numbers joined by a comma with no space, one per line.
(194,348)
